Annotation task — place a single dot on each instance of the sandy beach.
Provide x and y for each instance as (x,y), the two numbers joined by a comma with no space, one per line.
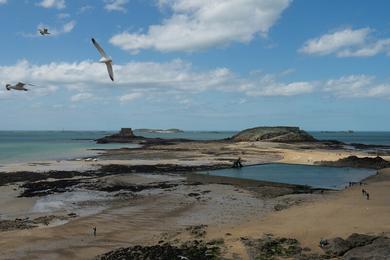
(142,207)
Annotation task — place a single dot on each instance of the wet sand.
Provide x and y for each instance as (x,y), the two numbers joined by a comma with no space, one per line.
(338,214)
(241,207)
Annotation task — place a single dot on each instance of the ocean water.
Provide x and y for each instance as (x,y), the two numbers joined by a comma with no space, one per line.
(22,146)
(377,138)
(311,175)
(193,135)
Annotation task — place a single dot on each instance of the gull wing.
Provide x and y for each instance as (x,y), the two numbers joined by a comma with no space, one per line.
(100,49)
(110,71)
(21,84)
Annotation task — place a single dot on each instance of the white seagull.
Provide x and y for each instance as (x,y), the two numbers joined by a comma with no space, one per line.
(104,59)
(44,31)
(19,86)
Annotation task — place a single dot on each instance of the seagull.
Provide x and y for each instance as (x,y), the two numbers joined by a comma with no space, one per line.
(104,59)
(44,31)
(19,86)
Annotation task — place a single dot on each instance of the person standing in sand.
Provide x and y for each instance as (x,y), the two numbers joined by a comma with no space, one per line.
(94,231)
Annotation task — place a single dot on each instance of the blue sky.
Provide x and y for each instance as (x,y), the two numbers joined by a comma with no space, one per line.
(196,64)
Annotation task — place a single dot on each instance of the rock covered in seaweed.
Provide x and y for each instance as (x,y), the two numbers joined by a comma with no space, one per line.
(358,162)
(283,134)
(125,135)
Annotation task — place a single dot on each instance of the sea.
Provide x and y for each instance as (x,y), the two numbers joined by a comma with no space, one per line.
(25,146)
(311,175)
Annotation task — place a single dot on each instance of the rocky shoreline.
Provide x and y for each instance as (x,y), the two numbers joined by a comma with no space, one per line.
(358,162)
(152,201)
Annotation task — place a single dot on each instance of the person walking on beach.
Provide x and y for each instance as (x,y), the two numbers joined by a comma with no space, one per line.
(363,192)
(368,196)
(94,231)
(237,163)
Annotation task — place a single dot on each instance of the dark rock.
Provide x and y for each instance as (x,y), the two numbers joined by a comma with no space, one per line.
(378,249)
(283,134)
(358,162)
(158,168)
(269,248)
(357,240)
(336,246)
(125,135)
(193,194)
(197,231)
(42,188)
(131,187)
(194,250)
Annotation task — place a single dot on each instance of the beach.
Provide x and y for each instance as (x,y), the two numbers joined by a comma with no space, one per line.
(155,194)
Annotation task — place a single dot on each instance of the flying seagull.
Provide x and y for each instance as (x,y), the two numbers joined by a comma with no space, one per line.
(19,86)
(104,59)
(44,31)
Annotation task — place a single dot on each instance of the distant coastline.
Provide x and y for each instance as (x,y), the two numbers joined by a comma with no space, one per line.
(346,132)
(160,131)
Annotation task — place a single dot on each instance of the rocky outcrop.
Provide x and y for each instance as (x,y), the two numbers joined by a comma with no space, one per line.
(196,249)
(358,246)
(358,162)
(283,134)
(270,247)
(378,249)
(126,135)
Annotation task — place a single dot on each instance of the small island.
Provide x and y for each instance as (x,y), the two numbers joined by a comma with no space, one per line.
(281,134)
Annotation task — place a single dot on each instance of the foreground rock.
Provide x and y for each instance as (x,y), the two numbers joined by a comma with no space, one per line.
(358,162)
(358,246)
(193,250)
(269,247)
(283,134)
(27,223)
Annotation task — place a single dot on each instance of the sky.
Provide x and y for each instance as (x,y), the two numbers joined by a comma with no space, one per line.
(196,64)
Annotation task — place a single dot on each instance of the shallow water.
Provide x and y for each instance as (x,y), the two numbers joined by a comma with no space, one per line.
(22,146)
(376,138)
(81,202)
(314,176)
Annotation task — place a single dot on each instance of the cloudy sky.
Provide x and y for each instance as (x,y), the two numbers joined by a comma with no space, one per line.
(196,64)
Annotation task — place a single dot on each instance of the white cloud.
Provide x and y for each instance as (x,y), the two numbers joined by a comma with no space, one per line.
(347,43)
(116,5)
(148,79)
(270,85)
(63,15)
(59,4)
(130,97)
(334,42)
(66,28)
(82,97)
(84,9)
(3,2)
(200,24)
(353,86)
(176,79)
(368,50)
